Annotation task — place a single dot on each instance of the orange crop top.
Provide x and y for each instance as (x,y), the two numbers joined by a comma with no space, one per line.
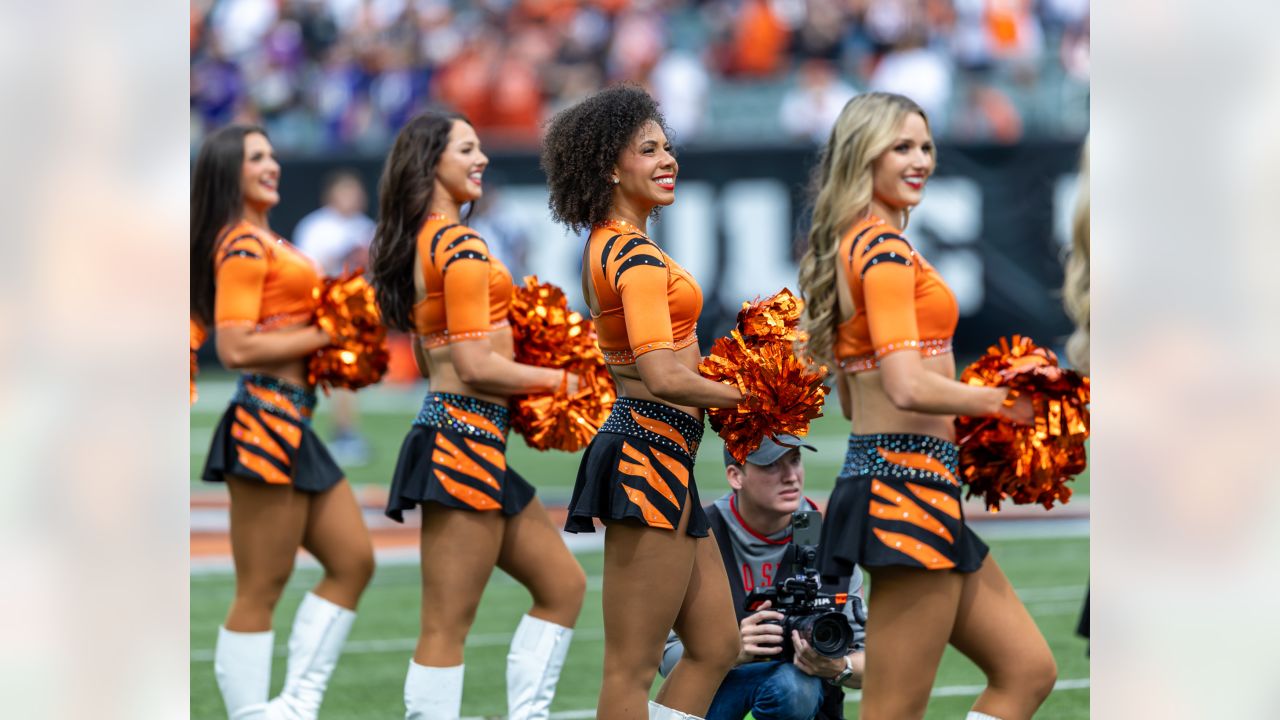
(899,300)
(468,292)
(630,274)
(261,280)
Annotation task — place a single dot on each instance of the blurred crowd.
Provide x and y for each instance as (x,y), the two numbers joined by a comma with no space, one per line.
(325,75)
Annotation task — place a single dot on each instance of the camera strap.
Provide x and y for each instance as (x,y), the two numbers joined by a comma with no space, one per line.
(721,530)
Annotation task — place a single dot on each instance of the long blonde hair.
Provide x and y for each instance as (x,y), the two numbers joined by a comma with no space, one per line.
(841,195)
(1075,287)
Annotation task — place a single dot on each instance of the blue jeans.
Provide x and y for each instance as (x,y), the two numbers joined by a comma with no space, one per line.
(769,690)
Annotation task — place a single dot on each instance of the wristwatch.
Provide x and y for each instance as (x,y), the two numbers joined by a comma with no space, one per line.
(838,680)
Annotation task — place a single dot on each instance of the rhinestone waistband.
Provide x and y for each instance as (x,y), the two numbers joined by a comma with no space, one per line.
(274,395)
(655,423)
(876,455)
(466,415)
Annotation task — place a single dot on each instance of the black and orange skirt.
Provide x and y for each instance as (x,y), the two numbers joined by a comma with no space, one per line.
(266,435)
(897,502)
(456,456)
(640,467)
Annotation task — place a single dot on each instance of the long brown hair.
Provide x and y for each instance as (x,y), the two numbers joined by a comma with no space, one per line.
(1075,287)
(841,191)
(217,202)
(404,198)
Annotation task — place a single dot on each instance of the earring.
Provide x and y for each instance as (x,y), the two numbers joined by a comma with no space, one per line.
(616,181)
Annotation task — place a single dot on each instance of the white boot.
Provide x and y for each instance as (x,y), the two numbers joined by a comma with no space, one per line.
(975,715)
(662,712)
(433,693)
(319,631)
(533,667)
(242,665)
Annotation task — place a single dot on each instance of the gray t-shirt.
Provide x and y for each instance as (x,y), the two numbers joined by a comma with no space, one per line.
(757,557)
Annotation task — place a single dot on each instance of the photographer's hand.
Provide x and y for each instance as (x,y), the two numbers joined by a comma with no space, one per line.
(759,635)
(809,662)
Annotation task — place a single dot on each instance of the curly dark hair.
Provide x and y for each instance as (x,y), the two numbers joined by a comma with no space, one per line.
(582,145)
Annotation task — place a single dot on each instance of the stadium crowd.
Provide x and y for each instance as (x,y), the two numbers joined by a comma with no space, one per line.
(326,75)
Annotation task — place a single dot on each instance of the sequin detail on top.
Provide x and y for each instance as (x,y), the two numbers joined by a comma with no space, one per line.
(876,455)
(627,357)
(655,423)
(465,415)
(928,348)
(442,338)
(264,392)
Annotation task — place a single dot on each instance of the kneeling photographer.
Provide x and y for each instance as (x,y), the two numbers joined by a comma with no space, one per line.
(794,662)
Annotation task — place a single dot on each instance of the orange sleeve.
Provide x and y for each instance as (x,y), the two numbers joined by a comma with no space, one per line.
(464,265)
(638,272)
(239,275)
(889,293)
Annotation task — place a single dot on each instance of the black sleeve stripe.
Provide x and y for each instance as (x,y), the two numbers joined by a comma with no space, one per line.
(436,240)
(633,261)
(632,244)
(464,255)
(604,256)
(891,257)
(883,237)
(463,238)
(853,245)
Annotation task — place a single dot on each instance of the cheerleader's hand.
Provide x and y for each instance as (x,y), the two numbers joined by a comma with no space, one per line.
(1018,409)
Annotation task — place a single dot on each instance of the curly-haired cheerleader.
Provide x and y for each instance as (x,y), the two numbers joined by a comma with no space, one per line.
(895,508)
(436,277)
(286,491)
(610,167)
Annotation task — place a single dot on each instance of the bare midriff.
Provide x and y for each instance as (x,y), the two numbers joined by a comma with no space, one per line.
(627,378)
(874,412)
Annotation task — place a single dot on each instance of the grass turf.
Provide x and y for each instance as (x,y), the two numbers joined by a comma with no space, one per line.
(1050,574)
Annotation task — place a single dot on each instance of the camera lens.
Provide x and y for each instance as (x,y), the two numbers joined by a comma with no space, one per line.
(828,633)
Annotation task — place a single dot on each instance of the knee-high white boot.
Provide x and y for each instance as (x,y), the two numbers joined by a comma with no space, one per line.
(537,654)
(433,693)
(319,631)
(662,712)
(242,665)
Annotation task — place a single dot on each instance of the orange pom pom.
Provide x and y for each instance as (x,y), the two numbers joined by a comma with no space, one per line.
(348,312)
(1026,464)
(548,334)
(198,336)
(782,391)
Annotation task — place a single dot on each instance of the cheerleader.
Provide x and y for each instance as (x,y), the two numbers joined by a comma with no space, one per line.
(895,509)
(610,167)
(286,491)
(435,277)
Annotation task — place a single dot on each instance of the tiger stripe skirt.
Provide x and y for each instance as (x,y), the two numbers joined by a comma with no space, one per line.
(456,456)
(897,502)
(639,467)
(266,435)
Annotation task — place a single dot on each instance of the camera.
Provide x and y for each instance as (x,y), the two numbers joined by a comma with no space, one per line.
(818,617)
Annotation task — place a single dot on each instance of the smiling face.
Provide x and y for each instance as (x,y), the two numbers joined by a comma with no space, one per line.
(774,489)
(646,170)
(899,174)
(460,169)
(260,173)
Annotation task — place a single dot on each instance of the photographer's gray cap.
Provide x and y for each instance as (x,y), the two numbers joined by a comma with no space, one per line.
(769,451)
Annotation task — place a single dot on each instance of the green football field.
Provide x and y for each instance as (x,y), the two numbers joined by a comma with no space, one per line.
(1049,573)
